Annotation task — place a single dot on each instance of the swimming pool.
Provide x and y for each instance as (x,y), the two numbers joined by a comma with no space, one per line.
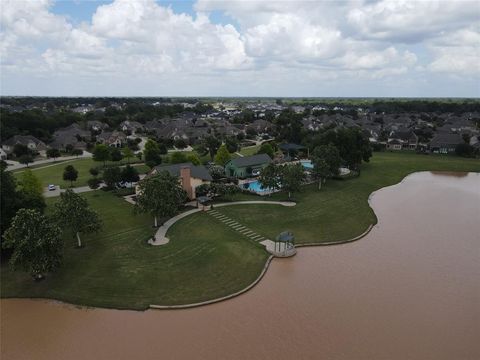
(255,187)
(307,164)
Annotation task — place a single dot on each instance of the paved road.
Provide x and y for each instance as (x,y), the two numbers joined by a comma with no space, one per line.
(15,165)
(58,190)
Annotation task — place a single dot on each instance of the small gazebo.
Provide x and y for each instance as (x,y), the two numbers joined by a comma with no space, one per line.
(290,149)
(284,244)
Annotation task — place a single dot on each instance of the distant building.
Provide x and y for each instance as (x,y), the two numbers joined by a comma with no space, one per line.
(247,166)
(96,125)
(402,140)
(112,138)
(132,126)
(445,143)
(29,141)
(72,135)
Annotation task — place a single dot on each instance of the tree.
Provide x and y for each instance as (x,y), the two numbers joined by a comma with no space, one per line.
(36,243)
(160,195)
(112,176)
(77,152)
(194,159)
(30,184)
(266,148)
(93,171)
(291,177)
(129,174)
(73,213)
(222,156)
(101,152)
(10,201)
(269,177)
(94,183)
(128,153)
(211,144)
(53,153)
(25,159)
(115,154)
(353,146)
(216,171)
(232,144)
(180,144)
(178,157)
(326,162)
(151,154)
(70,174)
(465,150)
(20,150)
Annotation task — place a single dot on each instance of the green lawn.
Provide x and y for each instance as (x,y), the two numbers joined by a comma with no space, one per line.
(118,269)
(249,150)
(340,211)
(205,259)
(53,173)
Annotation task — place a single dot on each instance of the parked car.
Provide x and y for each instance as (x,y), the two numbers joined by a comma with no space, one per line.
(51,187)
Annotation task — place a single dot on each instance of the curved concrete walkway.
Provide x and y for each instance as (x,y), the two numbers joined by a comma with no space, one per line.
(160,235)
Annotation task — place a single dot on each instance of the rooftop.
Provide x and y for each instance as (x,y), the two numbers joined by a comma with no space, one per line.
(196,171)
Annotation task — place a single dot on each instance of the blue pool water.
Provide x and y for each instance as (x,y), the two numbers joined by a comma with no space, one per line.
(255,186)
(307,164)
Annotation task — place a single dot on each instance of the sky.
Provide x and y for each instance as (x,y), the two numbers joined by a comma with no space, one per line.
(354,48)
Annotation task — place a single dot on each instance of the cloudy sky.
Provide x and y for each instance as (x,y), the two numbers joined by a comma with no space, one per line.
(240,48)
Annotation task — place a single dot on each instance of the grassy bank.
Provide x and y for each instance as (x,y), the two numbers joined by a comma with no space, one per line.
(205,259)
(340,211)
(118,269)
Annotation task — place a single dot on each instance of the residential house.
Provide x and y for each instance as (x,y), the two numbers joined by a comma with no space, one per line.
(402,140)
(190,176)
(96,125)
(29,141)
(131,126)
(71,135)
(112,138)
(247,166)
(445,143)
(261,126)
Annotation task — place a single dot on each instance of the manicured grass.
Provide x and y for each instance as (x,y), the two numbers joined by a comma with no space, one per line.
(340,211)
(205,259)
(118,269)
(249,150)
(53,173)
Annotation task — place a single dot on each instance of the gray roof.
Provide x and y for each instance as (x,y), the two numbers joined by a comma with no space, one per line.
(196,171)
(251,160)
(291,146)
(24,140)
(285,236)
(446,139)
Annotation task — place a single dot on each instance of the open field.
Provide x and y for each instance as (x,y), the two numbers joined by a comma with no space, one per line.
(118,269)
(53,173)
(205,259)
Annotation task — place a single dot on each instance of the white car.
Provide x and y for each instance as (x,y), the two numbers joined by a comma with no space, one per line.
(51,187)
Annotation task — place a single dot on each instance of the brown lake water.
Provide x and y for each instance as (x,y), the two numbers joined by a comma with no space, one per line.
(408,290)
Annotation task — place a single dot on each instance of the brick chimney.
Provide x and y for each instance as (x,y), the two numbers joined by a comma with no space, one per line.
(185,176)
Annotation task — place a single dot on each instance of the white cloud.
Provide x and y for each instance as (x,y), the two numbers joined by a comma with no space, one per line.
(284,45)
(410,21)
